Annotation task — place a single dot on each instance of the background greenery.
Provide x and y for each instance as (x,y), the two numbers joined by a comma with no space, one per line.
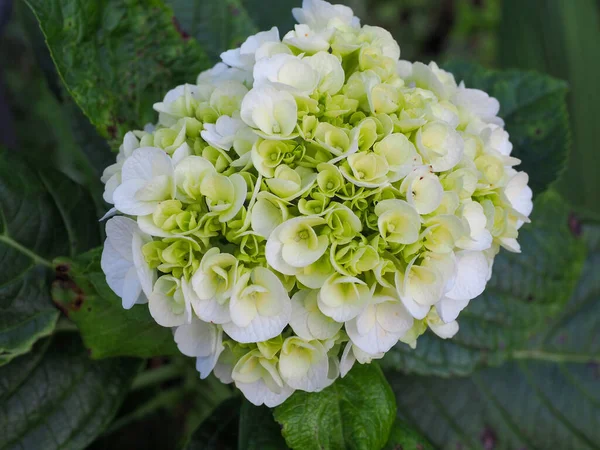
(76,371)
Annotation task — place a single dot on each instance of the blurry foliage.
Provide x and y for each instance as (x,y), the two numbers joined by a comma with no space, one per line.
(562,38)
(439,29)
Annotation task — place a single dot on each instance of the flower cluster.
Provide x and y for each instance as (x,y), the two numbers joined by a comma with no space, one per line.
(310,202)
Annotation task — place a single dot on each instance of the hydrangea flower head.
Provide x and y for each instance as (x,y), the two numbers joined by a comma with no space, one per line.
(309,203)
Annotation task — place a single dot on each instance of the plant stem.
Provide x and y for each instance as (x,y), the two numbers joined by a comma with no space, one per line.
(156,376)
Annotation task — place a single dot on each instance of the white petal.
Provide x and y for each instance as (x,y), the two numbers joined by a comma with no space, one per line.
(448,309)
(258,393)
(146,163)
(131,288)
(377,340)
(197,338)
(471,277)
(126,201)
(444,330)
(146,275)
(119,232)
(208,310)
(115,267)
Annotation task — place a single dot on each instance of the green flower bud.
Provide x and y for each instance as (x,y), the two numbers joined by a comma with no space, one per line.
(267,155)
(344,225)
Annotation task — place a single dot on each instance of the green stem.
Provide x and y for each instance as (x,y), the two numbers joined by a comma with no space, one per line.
(34,256)
(165,399)
(553,357)
(156,376)
(65,324)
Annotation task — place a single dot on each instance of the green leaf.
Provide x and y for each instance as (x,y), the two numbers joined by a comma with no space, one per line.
(405,437)
(219,430)
(535,111)
(42,215)
(547,397)
(52,140)
(356,412)
(117,58)
(218,25)
(560,38)
(258,430)
(55,397)
(107,329)
(525,291)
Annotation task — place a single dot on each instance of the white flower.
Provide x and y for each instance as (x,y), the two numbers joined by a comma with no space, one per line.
(189,174)
(178,103)
(398,221)
(111,176)
(440,145)
(286,72)
(320,15)
(382,39)
(519,194)
(479,236)
(227,96)
(400,155)
(307,320)
(210,288)
(268,213)
(343,298)
(330,72)
(200,340)
(307,40)
(167,303)
(494,136)
(222,134)
(260,307)
(259,380)
(472,271)
(147,179)
(431,77)
(351,354)
(295,244)
(473,103)
(274,113)
(127,273)
(441,328)
(420,287)
(244,57)
(423,190)
(304,364)
(381,324)
(222,72)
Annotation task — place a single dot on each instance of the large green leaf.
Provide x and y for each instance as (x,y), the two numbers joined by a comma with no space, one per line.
(405,437)
(52,143)
(356,412)
(117,58)
(107,329)
(547,397)
(535,111)
(55,397)
(218,25)
(561,38)
(42,215)
(525,291)
(258,429)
